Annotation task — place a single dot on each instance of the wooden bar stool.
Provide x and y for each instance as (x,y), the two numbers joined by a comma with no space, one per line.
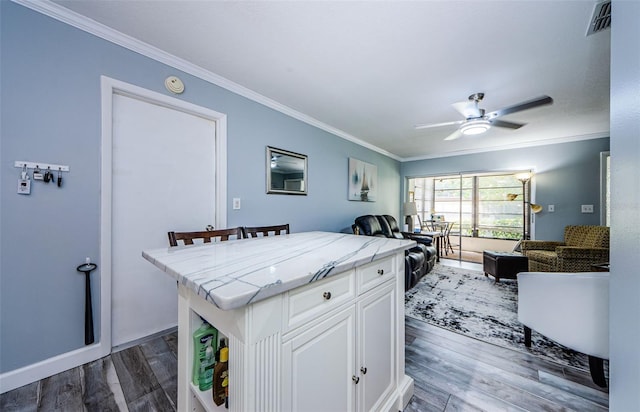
(219,235)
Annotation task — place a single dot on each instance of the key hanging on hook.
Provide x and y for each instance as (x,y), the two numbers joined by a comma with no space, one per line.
(37,173)
(24,183)
(59,177)
(48,176)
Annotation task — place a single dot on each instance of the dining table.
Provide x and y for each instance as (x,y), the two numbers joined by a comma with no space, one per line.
(443,228)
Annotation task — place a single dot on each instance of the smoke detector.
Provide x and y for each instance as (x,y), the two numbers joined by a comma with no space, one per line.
(174,85)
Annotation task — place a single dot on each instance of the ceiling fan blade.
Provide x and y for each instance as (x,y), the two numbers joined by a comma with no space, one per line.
(468,109)
(529,104)
(427,126)
(509,125)
(455,135)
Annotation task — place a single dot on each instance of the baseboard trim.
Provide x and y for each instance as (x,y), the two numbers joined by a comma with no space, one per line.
(405,388)
(49,367)
(143,339)
(52,366)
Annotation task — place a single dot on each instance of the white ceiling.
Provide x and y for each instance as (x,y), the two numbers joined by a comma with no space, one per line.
(374,69)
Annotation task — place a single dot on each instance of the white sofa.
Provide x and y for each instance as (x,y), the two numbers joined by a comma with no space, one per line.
(571,309)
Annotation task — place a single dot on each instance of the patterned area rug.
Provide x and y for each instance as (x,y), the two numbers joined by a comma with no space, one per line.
(469,303)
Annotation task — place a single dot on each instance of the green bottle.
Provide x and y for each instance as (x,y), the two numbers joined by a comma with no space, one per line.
(205,336)
(205,380)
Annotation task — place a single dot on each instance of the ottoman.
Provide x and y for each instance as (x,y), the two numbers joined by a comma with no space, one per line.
(503,264)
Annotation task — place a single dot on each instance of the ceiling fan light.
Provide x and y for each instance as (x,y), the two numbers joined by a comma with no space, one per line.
(474,127)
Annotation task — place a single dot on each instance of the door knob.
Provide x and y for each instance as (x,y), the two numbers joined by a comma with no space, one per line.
(326,295)
(355,379)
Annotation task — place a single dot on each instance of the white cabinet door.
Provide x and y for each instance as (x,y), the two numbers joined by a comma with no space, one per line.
(319,366)
(375,342)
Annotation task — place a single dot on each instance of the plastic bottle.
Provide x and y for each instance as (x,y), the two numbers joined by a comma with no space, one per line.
(220,372)
(205,335)
(205,378)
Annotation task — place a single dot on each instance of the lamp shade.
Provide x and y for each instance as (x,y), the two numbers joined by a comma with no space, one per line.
(524,177)
(410,209)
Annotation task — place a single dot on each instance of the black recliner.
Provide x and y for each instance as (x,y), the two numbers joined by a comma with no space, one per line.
(419,260)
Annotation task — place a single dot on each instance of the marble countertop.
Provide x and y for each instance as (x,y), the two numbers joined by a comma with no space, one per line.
(236,273)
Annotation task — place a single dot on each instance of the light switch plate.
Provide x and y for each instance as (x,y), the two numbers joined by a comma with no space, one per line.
(236,203)
(551,208)
(587,208)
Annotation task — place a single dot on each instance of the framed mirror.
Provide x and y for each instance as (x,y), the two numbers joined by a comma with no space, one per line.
(286,172)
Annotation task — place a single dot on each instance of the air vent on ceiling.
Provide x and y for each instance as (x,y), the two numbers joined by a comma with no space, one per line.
(601,19)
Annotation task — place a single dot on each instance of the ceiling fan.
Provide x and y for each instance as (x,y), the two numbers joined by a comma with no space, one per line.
(477,122)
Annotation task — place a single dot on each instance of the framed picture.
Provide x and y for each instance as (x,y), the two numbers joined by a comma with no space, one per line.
(363,181)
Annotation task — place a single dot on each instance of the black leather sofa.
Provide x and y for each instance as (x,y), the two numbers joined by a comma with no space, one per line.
(418,260)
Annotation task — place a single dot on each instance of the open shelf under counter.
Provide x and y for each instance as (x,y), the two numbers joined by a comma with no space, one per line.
(205,400)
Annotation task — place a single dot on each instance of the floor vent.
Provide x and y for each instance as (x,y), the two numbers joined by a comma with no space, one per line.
(601,19)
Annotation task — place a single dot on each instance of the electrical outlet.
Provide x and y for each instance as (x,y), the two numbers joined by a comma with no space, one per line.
(587,208)
(236,203)
(551,208)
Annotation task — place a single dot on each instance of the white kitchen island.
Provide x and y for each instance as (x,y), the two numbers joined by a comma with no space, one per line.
(314,321)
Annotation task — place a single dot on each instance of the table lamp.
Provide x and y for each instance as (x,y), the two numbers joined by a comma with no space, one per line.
(410,209)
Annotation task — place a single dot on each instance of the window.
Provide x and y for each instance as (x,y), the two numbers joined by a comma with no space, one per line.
(482,205)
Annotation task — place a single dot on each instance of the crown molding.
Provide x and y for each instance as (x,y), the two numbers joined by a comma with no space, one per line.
(545,142)
(102,31)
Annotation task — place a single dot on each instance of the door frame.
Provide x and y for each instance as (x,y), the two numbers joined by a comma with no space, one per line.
(109,87)
(64,361)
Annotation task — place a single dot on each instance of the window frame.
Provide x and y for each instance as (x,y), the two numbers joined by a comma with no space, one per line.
(420,184)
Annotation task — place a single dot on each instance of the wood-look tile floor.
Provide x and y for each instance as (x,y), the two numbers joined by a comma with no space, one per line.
(452,372)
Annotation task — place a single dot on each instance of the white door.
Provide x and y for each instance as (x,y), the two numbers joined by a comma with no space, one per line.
(163,179)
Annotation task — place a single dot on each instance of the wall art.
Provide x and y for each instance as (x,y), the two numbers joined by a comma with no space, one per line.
(363,181)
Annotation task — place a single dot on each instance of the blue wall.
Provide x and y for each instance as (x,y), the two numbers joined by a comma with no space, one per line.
(567,175)
(50,94)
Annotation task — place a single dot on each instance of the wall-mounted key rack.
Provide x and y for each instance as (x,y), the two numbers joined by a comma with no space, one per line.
(42,166)
(45,172)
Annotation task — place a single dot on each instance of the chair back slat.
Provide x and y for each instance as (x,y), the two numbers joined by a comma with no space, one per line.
(258,231)
(219,235)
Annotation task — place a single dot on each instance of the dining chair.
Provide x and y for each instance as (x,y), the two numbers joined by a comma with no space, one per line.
(219,235)
(261,231)
(448,246)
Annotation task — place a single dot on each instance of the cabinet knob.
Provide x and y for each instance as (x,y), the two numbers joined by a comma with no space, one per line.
(326,295)
(380,271)
(355,379)
(363,370)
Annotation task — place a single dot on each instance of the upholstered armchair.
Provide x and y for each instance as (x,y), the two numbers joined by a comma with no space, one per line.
(583,246)
(571,309)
